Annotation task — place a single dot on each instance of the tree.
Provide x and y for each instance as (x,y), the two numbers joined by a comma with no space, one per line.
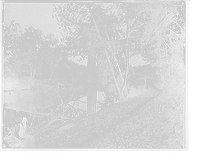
(8,42)
(163,36)
(127,17)
(11,50)
(51,52)
(29,42)
(122,92)
(94,31)
(69,16)
(11,34)
(85,27)
(108,52)
(64,75)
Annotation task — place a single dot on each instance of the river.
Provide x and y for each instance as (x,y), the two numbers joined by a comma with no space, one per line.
(40,106)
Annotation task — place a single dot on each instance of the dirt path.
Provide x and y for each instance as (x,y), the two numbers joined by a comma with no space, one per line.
(111,128)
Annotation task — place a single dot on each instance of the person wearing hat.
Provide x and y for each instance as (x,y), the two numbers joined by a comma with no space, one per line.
(24,135)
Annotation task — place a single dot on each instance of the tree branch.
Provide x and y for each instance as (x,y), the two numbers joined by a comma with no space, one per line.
(127,56)
(159,26)
(115,59)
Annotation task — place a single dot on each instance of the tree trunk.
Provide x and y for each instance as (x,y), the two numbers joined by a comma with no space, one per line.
(92,64)
(158,52)
(124,90)
(114,78)
(32,76)
(120,73)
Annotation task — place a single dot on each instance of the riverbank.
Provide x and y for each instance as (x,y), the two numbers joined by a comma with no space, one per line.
(160,124)
(150,120)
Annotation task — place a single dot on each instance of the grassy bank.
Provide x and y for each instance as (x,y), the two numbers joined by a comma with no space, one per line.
(52,138)
(158,125)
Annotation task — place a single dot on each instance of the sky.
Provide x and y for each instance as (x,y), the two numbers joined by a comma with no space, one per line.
(40,16)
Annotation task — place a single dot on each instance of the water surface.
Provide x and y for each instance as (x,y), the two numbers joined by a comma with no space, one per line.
(41,106)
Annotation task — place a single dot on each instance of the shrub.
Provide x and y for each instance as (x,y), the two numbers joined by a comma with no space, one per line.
(9,137)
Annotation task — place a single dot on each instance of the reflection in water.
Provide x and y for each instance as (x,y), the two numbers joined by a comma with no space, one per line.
(39,106)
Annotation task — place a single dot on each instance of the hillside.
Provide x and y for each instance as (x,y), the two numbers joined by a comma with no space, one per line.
(151,120)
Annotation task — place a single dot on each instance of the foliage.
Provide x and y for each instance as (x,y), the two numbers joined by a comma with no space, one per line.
(24,61)
(139,75)
(10,38)
(11,49)
(121,91)
(9,137)
(31,39)
(95,27)
(28,47)
(163,37)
